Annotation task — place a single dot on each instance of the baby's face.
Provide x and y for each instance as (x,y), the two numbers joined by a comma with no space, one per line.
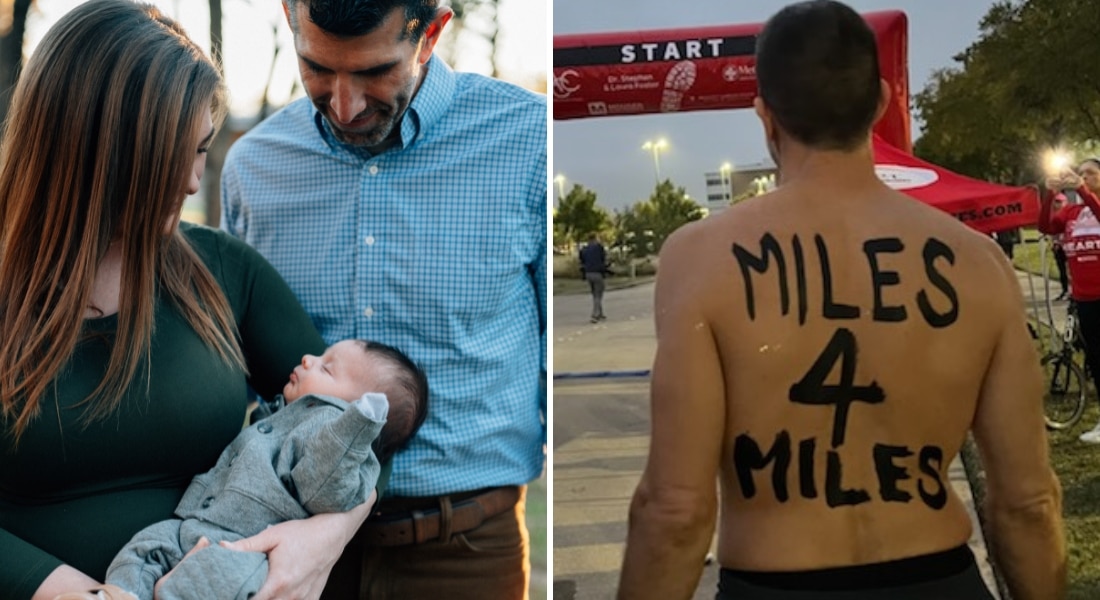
(345,370)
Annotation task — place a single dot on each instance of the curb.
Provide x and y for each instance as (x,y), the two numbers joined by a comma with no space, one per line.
(600,374)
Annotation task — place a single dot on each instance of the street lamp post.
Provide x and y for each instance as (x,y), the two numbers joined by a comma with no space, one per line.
(656,147)
(727,181)
(560,180)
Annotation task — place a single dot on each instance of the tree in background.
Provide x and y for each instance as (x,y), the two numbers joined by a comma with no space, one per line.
(13,25)
(219,146)
(644,226)
(632,234)
(578,217)
(478,17)
(562,243)
(1023,87)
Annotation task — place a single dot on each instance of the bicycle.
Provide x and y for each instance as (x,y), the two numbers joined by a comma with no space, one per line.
(1066,381)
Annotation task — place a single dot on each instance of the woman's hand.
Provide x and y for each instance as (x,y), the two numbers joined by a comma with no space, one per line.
(1071,180)
(63,579)
(301,553)
(101,592)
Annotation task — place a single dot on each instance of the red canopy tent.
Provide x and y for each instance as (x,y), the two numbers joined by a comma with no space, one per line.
(984,206)
(708,68)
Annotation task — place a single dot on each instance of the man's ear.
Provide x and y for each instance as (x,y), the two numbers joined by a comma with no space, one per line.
(286,13)
(884,96)
(434,31)
(765,116)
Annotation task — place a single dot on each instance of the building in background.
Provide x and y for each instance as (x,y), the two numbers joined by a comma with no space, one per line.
(730,184)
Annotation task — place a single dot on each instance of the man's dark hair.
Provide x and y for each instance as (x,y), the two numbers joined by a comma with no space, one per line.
(817,72)
(352,18)
(407,393)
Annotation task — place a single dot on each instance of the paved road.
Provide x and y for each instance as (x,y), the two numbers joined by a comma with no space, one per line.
(625,341)
(1039,302)
(600,441)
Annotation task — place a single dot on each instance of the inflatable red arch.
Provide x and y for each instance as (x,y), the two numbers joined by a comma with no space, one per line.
(714,68)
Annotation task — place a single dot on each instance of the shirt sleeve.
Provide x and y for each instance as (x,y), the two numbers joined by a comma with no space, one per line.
(231,221)
(1086,196)
(1050,221)
(335,467)
(539,199)
(1058,220)
(23,568)
(274,329)
(538,277)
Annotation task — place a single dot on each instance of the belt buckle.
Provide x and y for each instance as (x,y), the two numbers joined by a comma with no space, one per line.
(420,535)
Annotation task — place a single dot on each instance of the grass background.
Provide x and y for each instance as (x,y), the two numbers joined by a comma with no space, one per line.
(1077,464)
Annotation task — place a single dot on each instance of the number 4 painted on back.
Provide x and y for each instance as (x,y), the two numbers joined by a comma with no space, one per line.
(812,389)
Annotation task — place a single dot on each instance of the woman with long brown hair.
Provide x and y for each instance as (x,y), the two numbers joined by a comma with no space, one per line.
(127,339)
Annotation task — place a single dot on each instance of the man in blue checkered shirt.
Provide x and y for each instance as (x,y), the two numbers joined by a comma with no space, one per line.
(405,202)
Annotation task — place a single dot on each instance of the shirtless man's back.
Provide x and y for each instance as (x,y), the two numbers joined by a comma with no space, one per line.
(868,383)
(823,350)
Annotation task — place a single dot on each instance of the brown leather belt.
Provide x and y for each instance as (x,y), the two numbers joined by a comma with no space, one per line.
(391,524)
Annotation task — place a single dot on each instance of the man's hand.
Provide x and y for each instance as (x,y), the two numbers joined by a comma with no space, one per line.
(301,553)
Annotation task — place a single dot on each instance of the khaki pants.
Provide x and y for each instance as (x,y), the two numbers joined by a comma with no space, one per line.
(492,561)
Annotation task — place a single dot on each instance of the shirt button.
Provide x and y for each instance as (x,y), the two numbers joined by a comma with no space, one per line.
(373,169)
(264,428)
(206,503)
(369,240)
(368,312)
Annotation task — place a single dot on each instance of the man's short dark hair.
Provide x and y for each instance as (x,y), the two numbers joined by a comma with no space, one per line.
(817,72)
(407,394)
(352,18)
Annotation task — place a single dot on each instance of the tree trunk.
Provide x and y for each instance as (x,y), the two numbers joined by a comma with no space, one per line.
(492,37)
(215,158)
(265,106)
(11,53)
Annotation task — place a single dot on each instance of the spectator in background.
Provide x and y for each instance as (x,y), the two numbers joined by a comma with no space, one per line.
(1059,202)
(1007,240)
(1080,231)
(594,268)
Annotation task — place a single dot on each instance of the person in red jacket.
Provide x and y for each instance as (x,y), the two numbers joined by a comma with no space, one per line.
(1060,202)
(1080,231)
